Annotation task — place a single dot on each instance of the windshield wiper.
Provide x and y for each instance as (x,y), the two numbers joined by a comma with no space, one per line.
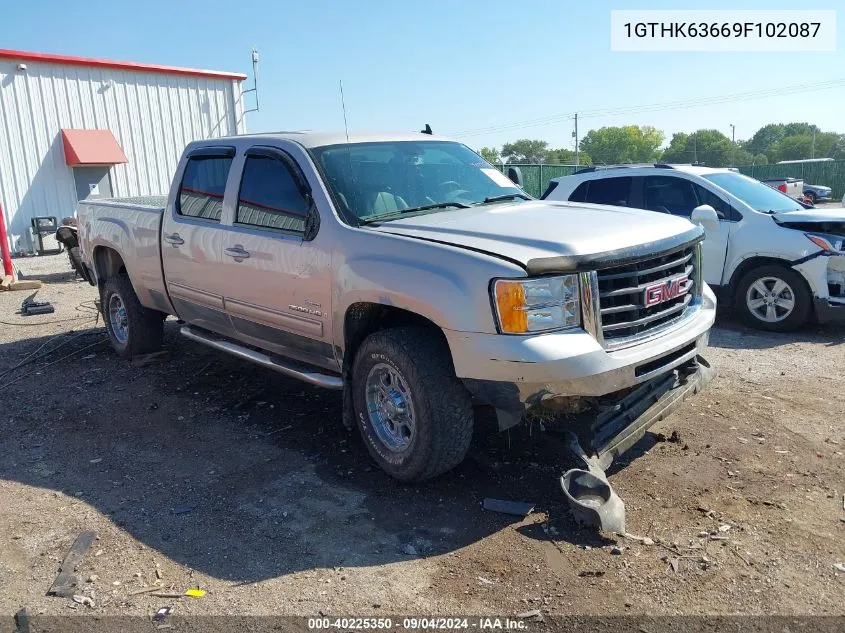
(426,207)
(505,196)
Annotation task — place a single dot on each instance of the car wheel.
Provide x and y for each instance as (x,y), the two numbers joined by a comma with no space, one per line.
(773,298)
(133,329)
(414,414)
(812,197)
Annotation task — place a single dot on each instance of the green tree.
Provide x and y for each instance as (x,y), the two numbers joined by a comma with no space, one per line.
(628,144)
(765,138)
(565,156)
(710,147)
(526,151)
(743,157)
(768,138)
(490,154)
(798,146)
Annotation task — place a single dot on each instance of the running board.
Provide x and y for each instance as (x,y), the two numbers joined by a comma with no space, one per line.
(283,366)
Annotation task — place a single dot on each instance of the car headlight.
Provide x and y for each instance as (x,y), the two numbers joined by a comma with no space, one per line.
(826,243)
(537,305)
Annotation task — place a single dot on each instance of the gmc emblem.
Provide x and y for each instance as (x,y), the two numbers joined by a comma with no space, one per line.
(667,290)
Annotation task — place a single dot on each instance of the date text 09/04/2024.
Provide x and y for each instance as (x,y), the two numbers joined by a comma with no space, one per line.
(421,624)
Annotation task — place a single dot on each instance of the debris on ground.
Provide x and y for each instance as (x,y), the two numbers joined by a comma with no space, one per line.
(138,592)
(616,551)
(79,599)
(148,359)
(484,581)
(534,613)
(516,508)
(724,528)
(161,614)
(839,567)
(590,574)
(22,621)
(66,580)
(645,540)
(410,550)
(30,306)
(674,563)
(195,593)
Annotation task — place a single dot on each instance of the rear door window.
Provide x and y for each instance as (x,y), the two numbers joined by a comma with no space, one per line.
(612,191)
(202,187)
(669,195)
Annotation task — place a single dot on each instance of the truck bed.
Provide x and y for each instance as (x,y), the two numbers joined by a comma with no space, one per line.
(131,227)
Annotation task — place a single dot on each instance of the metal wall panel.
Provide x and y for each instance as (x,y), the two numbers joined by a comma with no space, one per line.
(153,115)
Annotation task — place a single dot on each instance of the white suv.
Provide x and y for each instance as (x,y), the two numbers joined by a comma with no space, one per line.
(778,262)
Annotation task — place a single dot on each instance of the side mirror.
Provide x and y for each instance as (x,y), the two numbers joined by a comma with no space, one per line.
(515,174)
(706,216)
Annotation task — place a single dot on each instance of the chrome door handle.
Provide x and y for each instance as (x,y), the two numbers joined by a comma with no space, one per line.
(174,239)
(237,251)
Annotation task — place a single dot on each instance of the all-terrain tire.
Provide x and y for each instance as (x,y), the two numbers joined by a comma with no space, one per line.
(798,290)
(140,330)
(441,405)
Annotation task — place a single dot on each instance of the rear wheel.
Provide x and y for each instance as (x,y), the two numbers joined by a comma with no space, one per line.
(773,298)
(414,414)
(133,329)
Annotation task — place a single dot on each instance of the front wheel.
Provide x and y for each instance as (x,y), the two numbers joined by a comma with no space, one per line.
(414,414)
(773,298)
(133,329)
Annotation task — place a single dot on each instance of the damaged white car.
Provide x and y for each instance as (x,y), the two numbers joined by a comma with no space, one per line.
(780,263)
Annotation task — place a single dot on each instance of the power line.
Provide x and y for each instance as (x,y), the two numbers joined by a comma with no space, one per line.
(668,105)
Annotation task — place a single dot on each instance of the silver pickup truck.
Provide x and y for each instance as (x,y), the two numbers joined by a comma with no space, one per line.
(407,271)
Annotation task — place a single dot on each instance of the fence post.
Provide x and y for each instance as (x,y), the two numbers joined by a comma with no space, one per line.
(541,187)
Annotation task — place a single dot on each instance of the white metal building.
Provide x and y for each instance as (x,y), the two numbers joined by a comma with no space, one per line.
(73,128)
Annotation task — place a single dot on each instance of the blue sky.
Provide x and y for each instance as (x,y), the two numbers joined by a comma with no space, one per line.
(459,65)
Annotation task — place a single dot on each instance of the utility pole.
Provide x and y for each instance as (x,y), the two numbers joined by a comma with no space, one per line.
(575,134)
(733,145)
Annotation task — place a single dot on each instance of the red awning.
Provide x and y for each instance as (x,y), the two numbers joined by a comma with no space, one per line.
(91,147)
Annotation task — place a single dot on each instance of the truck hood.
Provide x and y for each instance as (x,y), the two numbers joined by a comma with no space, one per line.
(547,237)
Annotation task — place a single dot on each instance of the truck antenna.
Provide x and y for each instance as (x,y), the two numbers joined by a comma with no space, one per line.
(343,106)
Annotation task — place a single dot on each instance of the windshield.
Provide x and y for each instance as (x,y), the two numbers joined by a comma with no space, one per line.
(754,193)
(385,179)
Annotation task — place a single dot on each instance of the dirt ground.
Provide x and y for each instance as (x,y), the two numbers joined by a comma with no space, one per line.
(204,471)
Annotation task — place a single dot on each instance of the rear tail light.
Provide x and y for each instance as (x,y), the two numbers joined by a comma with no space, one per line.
(782,187)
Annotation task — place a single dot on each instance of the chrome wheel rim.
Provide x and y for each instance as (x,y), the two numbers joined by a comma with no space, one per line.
(118,320)
(390,407)
(770,299)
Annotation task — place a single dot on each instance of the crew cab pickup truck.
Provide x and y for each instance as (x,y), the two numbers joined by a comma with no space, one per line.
(411,274)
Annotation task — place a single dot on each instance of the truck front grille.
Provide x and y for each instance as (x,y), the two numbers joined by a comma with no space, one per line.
(625,292)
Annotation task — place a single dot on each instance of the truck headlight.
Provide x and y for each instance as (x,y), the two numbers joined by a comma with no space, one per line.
(537,305)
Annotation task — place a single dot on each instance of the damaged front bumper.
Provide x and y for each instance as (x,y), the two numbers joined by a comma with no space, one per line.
(825,273)
(512,373)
